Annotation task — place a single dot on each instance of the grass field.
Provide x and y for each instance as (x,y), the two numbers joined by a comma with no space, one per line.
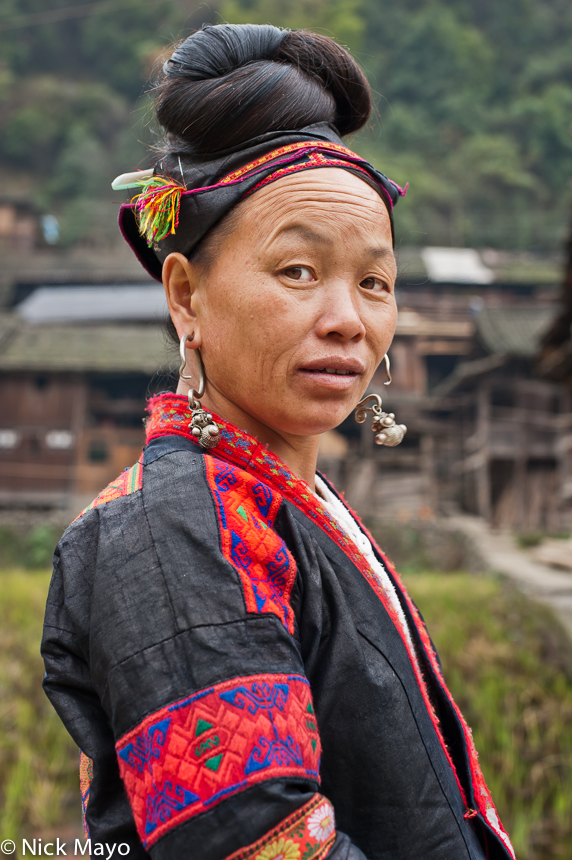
(505,659)
(38,761)
(509,667)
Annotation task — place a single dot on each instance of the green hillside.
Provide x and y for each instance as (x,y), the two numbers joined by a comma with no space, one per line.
(473,105)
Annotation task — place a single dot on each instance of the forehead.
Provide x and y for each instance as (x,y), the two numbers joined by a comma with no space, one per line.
(330,197)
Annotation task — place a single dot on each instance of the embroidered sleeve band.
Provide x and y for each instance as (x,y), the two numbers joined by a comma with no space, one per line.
(192,754)
(308,833)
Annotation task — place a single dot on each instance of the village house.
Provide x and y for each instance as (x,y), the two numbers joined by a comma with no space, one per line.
(76,367)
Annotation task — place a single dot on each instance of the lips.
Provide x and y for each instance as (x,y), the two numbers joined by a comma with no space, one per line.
(335,373)
(333,370)
(335,365)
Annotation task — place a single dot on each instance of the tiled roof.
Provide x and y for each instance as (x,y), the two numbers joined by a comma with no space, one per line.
(95,304)
(127,348)
(513,330)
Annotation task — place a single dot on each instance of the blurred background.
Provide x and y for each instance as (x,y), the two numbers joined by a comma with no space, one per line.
(473,107)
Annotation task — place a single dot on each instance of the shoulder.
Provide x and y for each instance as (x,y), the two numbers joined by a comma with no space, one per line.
(132,479)
(128,482)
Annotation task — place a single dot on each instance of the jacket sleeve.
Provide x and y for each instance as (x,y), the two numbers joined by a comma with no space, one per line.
(172,657)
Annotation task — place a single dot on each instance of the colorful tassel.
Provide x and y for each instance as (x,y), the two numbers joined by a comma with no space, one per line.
(157,208)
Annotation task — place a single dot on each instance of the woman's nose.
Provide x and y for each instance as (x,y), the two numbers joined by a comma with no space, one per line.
(340,313)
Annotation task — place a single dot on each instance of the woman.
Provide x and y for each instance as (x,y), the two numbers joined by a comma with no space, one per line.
(235,658)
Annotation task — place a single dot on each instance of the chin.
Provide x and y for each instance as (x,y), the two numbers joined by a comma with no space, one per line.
(313,421)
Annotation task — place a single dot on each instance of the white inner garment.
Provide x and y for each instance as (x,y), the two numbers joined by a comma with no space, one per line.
(344,519)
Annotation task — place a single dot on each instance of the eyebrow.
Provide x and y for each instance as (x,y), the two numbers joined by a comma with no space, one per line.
(309,235)
(305,233)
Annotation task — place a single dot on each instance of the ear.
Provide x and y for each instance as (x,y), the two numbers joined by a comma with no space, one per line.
(180,278)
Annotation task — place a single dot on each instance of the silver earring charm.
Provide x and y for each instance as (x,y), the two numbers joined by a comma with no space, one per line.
(202,426)
(387,432)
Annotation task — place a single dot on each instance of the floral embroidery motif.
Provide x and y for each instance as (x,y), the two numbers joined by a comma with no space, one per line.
(307,834)
(281,849)
(246,509)
(168,415)
(192,754)
(85,778)
(128,482)
(321,823)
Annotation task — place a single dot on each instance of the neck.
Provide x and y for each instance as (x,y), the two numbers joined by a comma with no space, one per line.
(299,453)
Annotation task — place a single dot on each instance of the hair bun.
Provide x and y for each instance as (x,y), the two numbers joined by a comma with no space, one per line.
(323,59)
(228,83)
(218,49)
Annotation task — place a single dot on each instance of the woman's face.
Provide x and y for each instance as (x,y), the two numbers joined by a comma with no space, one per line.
(297,309)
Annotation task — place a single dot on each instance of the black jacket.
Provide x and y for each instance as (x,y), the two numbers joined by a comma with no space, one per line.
(208,630)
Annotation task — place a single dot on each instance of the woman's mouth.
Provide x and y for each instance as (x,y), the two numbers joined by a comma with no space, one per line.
(333,370)
(339,373)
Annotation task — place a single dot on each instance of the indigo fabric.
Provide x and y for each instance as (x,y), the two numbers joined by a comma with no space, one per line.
(241,689)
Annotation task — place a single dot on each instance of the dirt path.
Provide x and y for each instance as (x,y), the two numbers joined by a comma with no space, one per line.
(500,553)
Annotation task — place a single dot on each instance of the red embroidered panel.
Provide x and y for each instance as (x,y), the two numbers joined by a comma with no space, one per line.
(246,510)
(85,778)
(309,832)
(129,481)
(194,753)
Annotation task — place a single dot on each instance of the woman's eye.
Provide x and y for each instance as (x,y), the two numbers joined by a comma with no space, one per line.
(374,284)
(299,273)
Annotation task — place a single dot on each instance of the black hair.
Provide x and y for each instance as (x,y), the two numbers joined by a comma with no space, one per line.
(228,83)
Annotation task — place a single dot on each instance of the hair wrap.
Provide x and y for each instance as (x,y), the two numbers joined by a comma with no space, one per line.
(188,195)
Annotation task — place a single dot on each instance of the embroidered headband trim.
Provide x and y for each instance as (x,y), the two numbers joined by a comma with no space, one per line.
(157,206)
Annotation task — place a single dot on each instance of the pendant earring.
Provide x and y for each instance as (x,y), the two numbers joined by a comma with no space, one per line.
(202,426)
(387,432)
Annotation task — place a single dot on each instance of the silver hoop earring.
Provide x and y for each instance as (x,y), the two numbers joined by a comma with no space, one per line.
(387,369)
(202,426)
(387,432)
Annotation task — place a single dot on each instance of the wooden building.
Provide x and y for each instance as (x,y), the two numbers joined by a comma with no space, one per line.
(73,387)
(499,455)
(554,363)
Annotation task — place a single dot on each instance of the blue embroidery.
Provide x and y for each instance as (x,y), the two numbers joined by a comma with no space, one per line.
(278,568)
(239,551)
(259,598)
(160,806)
(261,696)
(268,752)
(263,499)
(146,746)
(225,479)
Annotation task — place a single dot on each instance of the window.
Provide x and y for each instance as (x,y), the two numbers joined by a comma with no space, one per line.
(9,439)
(59,440)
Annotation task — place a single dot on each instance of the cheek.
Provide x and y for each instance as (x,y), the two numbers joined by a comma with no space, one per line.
(249,323)
(381,326)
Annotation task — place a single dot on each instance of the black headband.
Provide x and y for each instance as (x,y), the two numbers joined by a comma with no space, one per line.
(187,195)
